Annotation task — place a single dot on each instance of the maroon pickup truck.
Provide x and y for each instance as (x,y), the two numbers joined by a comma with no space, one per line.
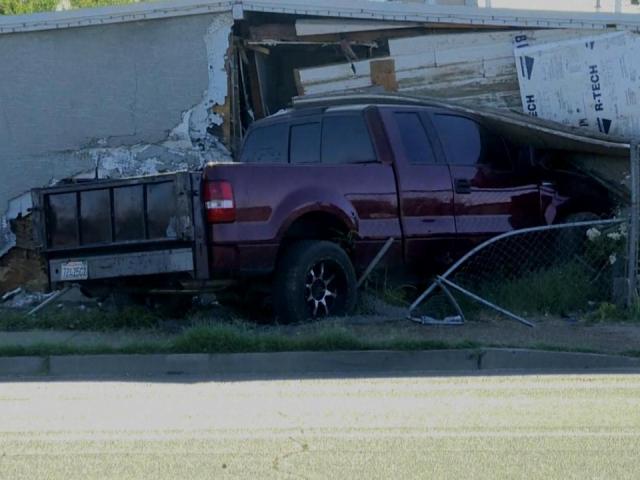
(315,195)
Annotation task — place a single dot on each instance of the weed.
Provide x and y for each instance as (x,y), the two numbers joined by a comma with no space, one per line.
(132,318)
(237,339)
(606,312)
(44,349)
(556,290)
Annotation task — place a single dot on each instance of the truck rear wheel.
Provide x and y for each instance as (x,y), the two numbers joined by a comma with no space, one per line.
(314,279)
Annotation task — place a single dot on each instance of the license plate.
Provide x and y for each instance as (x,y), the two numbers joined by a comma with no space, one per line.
(74,271)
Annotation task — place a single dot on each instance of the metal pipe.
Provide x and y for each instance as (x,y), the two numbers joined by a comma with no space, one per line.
(487,303)
(632,256)
(53,297)
(385,248)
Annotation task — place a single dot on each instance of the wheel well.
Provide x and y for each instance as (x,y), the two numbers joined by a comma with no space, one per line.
(319,226)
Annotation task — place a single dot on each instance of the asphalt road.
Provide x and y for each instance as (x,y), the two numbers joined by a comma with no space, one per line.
(580,426)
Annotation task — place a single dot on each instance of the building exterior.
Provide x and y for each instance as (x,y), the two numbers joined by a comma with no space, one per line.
(146,88)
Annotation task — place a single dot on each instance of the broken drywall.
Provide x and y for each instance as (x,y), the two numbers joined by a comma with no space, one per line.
(18,207)
(204,115)
(191,144)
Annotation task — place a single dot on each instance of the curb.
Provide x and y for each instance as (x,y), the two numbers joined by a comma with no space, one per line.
(300,364)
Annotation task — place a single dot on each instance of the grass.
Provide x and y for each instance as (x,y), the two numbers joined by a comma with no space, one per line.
(556,290)
(606,312)
(132,318)
(236,338)
(46,349)
(239,339)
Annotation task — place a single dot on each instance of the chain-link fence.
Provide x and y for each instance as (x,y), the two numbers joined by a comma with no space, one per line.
(552,270)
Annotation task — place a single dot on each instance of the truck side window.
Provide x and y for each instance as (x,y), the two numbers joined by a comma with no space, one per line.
(305,143)
(466,142)
(266,144)
(495,152)
(345,139)
(416,143)
(460,138)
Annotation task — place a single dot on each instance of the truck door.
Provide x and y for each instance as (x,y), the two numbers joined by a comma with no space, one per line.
(424,187)
(489,195)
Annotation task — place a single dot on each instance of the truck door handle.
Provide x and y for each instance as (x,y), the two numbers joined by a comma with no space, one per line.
(462,185)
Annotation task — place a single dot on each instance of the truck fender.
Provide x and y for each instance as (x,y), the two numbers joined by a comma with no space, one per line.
(310,200)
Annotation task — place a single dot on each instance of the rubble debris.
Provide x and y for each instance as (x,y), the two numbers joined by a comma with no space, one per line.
(25,299)
(22,266)
(18,207)
(9,295)
(473,68)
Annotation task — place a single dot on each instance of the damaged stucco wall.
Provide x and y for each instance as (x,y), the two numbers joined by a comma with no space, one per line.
(115,100)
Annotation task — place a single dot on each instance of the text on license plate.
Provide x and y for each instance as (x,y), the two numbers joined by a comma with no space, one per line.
(74,271)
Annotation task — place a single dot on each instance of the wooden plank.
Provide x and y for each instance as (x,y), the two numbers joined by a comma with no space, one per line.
(383,73)
(306,27)
(272,31)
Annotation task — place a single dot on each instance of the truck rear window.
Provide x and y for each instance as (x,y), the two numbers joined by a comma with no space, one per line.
(345,139)
(267,144)
(305,143)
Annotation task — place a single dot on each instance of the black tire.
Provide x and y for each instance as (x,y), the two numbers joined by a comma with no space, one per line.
(314,279)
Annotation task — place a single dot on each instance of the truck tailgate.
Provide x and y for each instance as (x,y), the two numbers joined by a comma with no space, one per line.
(114,228)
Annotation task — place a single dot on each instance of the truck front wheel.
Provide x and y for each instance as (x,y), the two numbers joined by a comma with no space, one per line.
(314,279)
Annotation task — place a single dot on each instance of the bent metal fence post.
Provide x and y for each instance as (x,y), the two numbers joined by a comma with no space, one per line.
(529,250)
(634,230)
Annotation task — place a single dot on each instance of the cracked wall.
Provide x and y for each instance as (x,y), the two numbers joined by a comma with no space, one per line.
(116,100)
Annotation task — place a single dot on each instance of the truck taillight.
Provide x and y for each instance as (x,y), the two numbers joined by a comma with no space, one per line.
(218,202)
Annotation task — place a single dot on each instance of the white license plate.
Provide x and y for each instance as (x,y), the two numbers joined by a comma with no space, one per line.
(74,271)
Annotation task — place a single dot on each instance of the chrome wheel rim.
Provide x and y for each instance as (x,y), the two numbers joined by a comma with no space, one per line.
(323,288)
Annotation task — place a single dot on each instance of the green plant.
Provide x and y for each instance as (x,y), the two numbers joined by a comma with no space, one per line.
(605,312)
(555,290)
(23,7)
(132,318)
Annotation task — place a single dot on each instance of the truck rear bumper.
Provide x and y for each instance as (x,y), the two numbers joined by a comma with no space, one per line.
(121,265)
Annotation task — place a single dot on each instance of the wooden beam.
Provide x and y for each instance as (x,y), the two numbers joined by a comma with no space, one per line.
(383,73)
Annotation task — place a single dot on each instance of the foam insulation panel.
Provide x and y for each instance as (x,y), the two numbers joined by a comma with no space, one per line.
(591,82)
